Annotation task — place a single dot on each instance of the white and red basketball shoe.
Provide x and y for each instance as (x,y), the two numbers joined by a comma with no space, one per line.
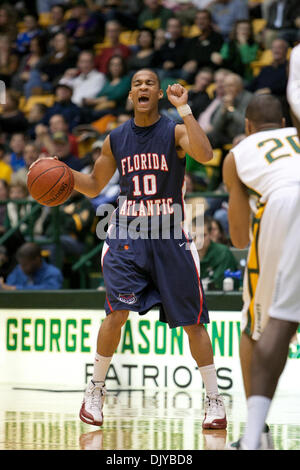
(215,415)
(92,405)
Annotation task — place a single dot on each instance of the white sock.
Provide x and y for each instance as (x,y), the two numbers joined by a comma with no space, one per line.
(258,408)
(209,377)
(101,365)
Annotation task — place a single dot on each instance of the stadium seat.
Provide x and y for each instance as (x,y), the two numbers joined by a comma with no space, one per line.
(21,27)
(210,90)
(258,25)
(265,58)
(191,31)
(45,19)
(27,104)
(99,46)
(129,38)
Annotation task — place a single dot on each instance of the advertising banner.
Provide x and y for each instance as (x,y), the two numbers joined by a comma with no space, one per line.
(54,349)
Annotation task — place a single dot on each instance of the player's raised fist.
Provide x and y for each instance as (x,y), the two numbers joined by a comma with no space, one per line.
(177,95)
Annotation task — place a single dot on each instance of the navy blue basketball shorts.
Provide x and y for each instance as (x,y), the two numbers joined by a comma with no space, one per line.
(142,273)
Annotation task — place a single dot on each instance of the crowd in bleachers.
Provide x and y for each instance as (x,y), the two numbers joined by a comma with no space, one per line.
(67,67)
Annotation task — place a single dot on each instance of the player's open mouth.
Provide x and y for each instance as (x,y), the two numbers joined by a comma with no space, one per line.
(143,99)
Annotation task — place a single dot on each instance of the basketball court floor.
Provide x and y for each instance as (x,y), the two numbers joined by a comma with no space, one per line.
(133,420)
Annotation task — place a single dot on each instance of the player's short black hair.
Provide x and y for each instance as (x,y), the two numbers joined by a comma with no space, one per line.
(264,109)
(150,70)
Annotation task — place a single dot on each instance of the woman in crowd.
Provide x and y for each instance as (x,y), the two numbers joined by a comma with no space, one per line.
(238,53)
(22,80)
(113,95)
(9,59)
(61,58)
(144,56)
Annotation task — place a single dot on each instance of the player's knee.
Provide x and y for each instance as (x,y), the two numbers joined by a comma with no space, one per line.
(193,329)
(118,318)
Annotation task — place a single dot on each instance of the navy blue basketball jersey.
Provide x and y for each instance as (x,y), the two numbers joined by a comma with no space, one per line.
(151,173)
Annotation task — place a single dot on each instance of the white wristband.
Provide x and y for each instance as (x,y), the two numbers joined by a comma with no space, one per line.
(184,110)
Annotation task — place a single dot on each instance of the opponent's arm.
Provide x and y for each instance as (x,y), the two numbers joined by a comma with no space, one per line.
(238,208)
(105,166)
(189,136)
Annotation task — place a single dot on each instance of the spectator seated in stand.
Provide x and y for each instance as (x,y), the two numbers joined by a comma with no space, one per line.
(200,48)
(57,22)
(113,96)
(12,120)
(198,98)
(57,144)
(27,79)
(217,208)
(82,26)
(217,233)
(32,272)
(17,239)
(123,12)
(186,11)
(226,12)
(62,57)
(64,106)
(85,80)
(35,116)
(9,60)
(77,218)
(283,21)
(144,55)
(8,21)
(154,15)
(17,145)
(31,30)
(57,123)
(15,212)
(7,263)
(31,154)
(239,51)
(215,258)
(111,47)
(273,78)
(172,54)
(228,120)
(206,116)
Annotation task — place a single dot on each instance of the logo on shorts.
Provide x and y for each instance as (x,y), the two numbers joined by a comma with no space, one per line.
(128,298)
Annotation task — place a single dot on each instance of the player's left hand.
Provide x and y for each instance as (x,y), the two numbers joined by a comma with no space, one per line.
(42,156)
(177,95)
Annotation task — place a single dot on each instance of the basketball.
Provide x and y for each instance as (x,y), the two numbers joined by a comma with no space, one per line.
(50,182)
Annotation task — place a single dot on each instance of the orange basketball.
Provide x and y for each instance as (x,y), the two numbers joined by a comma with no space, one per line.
(50,182)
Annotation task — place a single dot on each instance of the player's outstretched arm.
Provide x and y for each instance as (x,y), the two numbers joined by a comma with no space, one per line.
(189,136)
(91,185)
(238,207)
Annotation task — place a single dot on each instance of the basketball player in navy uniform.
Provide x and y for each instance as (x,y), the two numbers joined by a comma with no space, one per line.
(140,273)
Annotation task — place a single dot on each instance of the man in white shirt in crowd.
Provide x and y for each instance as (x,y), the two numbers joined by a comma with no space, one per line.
(85,80)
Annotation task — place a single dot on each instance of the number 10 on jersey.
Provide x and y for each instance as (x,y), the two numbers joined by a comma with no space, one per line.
(144,185)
